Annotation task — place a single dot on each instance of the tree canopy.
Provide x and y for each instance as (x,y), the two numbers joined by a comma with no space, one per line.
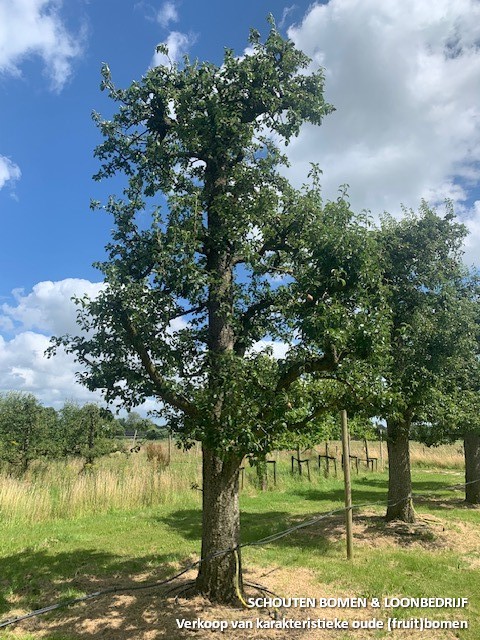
(215,257)
(430,338)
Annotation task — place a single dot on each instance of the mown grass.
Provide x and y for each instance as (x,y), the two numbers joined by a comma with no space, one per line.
(64,532)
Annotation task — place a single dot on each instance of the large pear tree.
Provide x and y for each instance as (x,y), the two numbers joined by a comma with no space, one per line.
(215,259)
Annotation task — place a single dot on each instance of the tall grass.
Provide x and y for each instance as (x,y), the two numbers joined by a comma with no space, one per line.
(448,456)
(63,489)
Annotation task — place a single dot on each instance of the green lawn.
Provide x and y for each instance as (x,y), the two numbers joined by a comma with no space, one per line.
(47,561)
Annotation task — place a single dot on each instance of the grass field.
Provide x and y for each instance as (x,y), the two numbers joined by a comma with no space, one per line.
(65,534)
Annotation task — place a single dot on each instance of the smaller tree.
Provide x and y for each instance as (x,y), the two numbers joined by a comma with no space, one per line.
(23,432)
(424,275)
(86,431)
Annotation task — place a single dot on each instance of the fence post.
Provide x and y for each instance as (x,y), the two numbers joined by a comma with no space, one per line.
(348,484)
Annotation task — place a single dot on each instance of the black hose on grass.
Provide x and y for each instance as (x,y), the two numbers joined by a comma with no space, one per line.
(268,539)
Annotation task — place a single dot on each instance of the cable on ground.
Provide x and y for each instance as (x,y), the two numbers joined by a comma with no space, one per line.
(267,540)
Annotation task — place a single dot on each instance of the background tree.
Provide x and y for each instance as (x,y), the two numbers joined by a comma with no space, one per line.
(144,427)
(23,430)
(424,276)
(239,256)
(454,409)
(86,431)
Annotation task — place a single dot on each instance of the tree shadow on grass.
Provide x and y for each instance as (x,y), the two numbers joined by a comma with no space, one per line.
(256,526)
(145,615)
(36,578)
(33,579)
(367,490)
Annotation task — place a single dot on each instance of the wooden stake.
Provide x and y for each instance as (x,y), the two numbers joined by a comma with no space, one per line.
(381,449)
(348,484)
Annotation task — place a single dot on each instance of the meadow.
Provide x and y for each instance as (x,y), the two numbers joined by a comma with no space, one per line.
(130,520)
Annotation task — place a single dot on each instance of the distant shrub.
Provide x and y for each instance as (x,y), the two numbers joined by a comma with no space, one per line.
(156,453)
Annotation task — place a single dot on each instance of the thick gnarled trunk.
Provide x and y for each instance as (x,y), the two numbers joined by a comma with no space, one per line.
(400,505)
(471,443)
(220,576)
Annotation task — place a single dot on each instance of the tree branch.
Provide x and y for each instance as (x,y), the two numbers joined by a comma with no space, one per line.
(245,321)
(161,384)
(196,309)
(327,362)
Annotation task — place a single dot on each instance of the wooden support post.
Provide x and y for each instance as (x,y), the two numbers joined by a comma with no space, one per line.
(381,450)
(348,484)
(274,462)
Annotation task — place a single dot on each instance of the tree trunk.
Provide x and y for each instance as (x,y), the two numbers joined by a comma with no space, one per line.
(261,465)
(400,505)
(471,445)
(220,578)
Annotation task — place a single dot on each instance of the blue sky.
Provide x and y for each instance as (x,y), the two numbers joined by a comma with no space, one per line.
(48,232)
(404,77)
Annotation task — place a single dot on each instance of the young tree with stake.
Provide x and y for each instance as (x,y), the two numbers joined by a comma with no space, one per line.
(238,258)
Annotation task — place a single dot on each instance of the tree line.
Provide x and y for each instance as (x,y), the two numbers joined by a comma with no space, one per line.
(379,319)
(30,431)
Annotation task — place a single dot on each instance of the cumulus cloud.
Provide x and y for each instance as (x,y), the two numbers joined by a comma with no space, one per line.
(177,44)
(35,28)
(167,13)
(31,319)
(9,171)
(405,79)
(24,367)
(48,308)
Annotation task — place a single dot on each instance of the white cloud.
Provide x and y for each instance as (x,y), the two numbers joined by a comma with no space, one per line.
(24,367)
(48,307)
(34,28)
(286,12)
(278,349)
(405,80)
(31,319)
(9,171)
(178,44)
(167,13)
(472,244)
